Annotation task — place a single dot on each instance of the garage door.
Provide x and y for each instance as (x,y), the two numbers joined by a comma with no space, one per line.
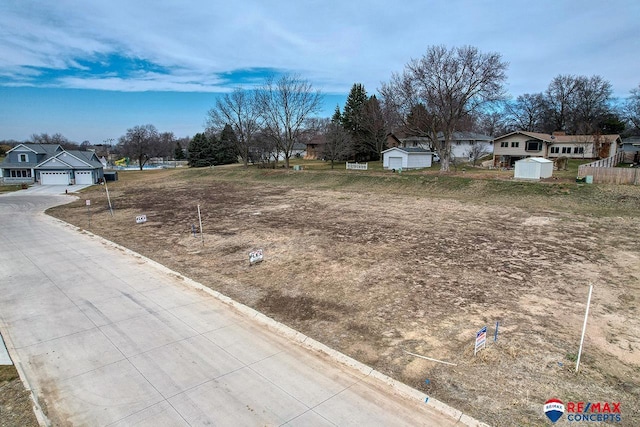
(54,178)
(84,177)
(395,162)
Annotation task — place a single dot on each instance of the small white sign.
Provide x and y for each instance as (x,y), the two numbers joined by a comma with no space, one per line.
(140,219)
(87,202)
(255,256)
(481,340)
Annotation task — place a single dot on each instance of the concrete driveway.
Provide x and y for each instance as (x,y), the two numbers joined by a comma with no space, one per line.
(50,190)
(106,338)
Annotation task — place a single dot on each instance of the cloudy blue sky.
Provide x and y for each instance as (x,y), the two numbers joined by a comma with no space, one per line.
(92,69)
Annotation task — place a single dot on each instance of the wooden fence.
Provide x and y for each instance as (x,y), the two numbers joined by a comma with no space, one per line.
(358,166)
(604,172)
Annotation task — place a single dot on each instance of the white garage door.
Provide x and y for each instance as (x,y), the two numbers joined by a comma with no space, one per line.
(54,178)
(84,177)
(395,162)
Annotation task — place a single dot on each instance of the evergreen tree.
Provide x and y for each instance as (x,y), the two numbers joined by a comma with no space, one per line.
(225,150)
(178,153)
(352,120)
(337,116)
(201,151)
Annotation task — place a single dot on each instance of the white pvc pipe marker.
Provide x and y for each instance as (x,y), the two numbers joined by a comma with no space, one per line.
(584,327)
(200,220)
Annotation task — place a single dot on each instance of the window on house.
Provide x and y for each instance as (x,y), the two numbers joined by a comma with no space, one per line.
(566,150)
(26,173)
(555,150)
(23,158)
(533,146)
(504,144)
(578,150)
(515,144)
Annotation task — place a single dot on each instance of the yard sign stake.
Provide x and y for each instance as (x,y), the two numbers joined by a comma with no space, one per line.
(200,219)
(88,203)
(108,197)
(584,327)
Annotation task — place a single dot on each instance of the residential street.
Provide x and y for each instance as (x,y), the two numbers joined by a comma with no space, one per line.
(106,338)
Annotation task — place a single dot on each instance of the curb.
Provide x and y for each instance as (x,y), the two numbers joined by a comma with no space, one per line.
(285,331)
(41,417)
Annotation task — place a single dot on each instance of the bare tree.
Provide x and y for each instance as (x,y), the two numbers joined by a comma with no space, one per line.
(476,151)
(140,143)
(285,106)
(527,112)
(374,126)
(240,110)
(560,102)
(56,138)
(166,145)
(263,149)
(591,104)
(631,109)
(338,144)
(451,84)
(492,123)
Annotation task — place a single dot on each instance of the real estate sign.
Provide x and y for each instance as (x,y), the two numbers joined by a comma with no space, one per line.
(255,256)
(481,340)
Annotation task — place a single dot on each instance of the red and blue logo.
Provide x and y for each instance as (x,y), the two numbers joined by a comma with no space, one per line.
(553,409)
(583,411)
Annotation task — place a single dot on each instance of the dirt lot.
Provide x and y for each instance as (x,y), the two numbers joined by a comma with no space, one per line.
(380,267)
(16,408)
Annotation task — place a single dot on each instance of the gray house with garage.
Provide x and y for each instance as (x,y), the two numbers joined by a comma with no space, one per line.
(50,164)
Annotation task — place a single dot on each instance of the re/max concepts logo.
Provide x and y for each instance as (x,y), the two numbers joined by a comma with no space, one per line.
(583,411)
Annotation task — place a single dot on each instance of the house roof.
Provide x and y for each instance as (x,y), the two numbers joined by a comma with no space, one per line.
(559,139)
(409,150)
(466,136)
(535,160)
(87,157)
(455,136)
(633,140)
(51,151)
(39,148)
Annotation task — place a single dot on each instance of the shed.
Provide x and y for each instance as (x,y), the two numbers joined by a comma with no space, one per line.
(406,158)
(533,168)
(110,175)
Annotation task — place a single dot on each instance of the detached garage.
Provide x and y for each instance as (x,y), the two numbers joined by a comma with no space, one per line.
(406,158)
(533,168)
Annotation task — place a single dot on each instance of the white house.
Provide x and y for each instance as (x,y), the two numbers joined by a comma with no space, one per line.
(533,168)
(465,146)
(520,144)
(406,158)
(469,146)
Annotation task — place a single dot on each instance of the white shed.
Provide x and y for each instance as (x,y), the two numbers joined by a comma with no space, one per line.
(533,168)
(406,158)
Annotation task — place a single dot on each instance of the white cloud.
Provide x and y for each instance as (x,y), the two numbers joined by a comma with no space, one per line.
(333,43)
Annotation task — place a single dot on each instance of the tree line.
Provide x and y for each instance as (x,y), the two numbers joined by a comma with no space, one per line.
(444,91)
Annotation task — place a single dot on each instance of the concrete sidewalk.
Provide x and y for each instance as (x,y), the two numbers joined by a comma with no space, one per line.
(105,337)
(4,354)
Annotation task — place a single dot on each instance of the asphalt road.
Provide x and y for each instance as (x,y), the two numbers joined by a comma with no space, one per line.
(106,338)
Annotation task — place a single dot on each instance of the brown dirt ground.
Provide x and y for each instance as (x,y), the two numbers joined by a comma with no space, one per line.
(374,274)
(16,408)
